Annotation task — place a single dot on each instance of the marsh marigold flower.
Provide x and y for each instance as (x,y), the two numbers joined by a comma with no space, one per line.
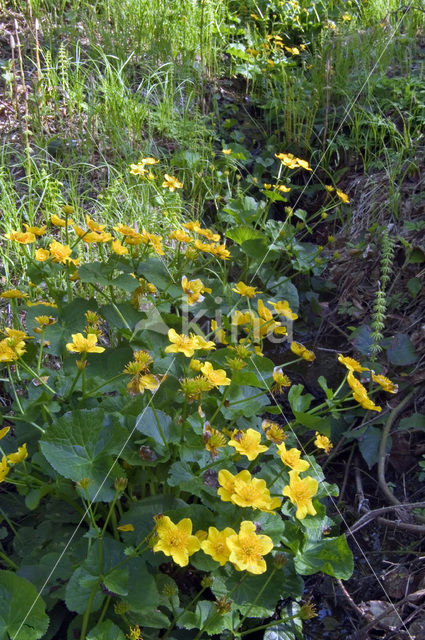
(171,183)
(246,290)
(13,293)
(283,309)
(180,236)
(201,343)
(22,237)
(215,544)
(176,540)
(37,231)
(180,344)
(247,549)
(213,439)
(384,382)
(300,491)
(4,469)
(80,344)
(281,380)
(193,290)
(273,431)
(302,351)
(292,458)
(322,442)
(41,255)
(58,222)
(351,364)
(20,455)
(247,443)
(216,377)
(342,196)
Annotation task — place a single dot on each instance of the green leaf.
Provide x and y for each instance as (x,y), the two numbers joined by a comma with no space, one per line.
(96,273)
(414,285)
(361,339)
(157,425)
(299,402)
(81,444)
(401,351)
(17,597)
(369,444)
(330,555)
(243,233)
(290,630)
(416,256)
(79,588)
(117,581)
(205,616)
(412,422)
(283,289)
(143,595)
(106,630)
(155,271)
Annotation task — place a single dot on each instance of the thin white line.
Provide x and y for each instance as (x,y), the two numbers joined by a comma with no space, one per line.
(333,502)
(88,508)
(348,109)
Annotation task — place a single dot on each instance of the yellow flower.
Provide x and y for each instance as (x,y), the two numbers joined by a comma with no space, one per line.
(213,439)
(246,290)
(193,225)
(247,549)
(291,458)
(61,253)
(210,235)
(201,343)
(149,161)
(20,236)
(171,183)
(180,236)
(300,491)
(13,293)
(176,540)
(253,492)
(322,442)
(220,251)
(343,196)
(329,188)
(273,431)
(226,152)
(118,248)
(4,469)
(181,344)
(125,230)
(18,456)
(216,377)
(215,544)
(227,484)
(80,344)
(385,383)
(7,354)
(4,432)
(138,169)
(281,380)
(126,527)
(195,365)
(302,351)
(283,309)
(247,443)
(283,188)
(219,333)
(42,255)
(366,402)
(140,382)
(58,222)
(37,231)
(351,364)
(193,290)
(93,225)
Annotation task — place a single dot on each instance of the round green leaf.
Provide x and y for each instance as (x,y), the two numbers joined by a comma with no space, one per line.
(18,597)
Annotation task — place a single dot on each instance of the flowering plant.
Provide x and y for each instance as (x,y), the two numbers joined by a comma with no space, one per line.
(159,482)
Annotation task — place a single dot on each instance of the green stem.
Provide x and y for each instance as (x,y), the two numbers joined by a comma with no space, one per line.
(223,400)
(254,602)
(93,391)
(88,610)
(176,618)
(104,609)
(158,424)
(111,508)
(40,353)
(8,561)
(12,384)
(39,378)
